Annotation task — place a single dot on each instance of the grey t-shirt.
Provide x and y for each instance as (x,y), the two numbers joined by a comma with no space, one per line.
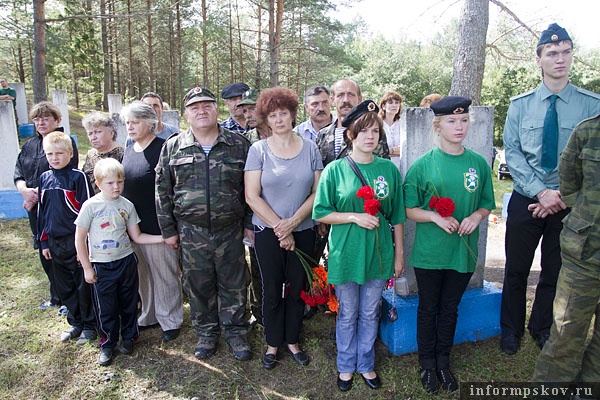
(285,182)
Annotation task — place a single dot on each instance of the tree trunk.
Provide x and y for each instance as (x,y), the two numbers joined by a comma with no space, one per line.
(180,88)
(129,33)
(275,22)
(469,59)
(204,46)
(231,66)
(258,46)
(172,53)
(39,48)
(105,56)
(241,53)
(150,50)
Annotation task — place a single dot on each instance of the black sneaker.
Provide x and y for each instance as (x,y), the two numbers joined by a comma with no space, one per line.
(105,357)
(87,336)
(429,380)
(71,333)
(447,380)
(240,348)
(205,348)
(170,334)
(126,347)
(509,344)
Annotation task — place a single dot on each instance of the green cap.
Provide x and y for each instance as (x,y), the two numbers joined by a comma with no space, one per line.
(250,96)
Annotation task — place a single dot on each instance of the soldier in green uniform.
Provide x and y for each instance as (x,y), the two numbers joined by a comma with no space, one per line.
(201,210)
(565,356)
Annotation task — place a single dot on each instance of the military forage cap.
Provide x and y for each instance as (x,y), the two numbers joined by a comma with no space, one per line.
(234,90)
(553,34)
(198,94)
(451,105)
(358,110)
(250,96)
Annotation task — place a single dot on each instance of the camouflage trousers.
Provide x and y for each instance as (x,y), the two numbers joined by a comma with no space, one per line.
(215,278)
(565,356)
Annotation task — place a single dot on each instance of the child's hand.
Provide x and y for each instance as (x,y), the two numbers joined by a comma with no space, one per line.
(46,254)
(90,275)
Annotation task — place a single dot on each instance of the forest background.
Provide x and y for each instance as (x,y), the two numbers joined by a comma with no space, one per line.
(95,48)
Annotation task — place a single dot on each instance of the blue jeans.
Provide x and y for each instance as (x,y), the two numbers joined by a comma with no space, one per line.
(357,324)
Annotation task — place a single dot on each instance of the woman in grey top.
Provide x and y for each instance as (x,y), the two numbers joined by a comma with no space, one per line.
(281,178)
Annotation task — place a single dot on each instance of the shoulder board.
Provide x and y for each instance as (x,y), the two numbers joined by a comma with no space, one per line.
(588,93)
(524,94)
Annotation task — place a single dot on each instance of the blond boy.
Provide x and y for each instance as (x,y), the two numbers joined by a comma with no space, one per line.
(104,227)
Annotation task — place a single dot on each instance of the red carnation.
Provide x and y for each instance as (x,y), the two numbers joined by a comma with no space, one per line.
(372,206)
(445,206)
(308,299)
(433,202)
(365,192)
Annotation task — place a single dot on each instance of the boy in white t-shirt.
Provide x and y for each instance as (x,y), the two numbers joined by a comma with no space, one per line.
(104,223)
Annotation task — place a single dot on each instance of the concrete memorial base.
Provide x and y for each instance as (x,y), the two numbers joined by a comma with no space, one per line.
(478,318)
(11,205)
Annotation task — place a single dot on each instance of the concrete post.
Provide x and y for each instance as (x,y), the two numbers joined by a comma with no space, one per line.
(171,117)
(59,99)
(418,138)
(10,145)
(114,103)
(22,117)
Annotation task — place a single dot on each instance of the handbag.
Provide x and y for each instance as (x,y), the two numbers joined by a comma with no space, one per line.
(365,183)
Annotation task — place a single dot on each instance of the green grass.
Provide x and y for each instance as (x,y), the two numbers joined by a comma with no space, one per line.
(35,364)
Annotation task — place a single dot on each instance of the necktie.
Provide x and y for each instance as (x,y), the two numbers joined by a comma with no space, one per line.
(550,137)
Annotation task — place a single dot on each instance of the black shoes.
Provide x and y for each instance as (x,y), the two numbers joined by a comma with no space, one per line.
(300,357)
(374,383)
(240,348)
(170,334)
(541,339)
(206,347)
(509,344)
(105,357)
(343,385)
(126,347)
(71,333)
(429,380)
(269,360)
(447,380)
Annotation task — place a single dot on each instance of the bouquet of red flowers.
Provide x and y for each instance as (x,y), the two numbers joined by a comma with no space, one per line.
(320,292)
(443,205)
(372,204)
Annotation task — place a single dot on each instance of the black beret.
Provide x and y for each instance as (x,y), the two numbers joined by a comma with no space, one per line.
(234,90)
(358,110)
(198,94)
(451,105)
(553,34)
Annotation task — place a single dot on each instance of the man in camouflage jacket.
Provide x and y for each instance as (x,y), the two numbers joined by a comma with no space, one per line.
(565,357)
(201,210)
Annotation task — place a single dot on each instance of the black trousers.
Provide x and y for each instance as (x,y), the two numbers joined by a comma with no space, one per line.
(116,293)
(46,264)
(440,292)
(523,234)
(70,283)
(283,278)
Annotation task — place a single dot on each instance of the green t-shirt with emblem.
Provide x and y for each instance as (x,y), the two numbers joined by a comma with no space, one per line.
(466,179)
(357,254)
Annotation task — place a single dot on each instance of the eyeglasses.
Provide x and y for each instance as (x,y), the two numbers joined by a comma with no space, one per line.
(37,120)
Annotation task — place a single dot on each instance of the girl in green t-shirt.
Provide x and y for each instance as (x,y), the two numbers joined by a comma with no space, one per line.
(448,192)
(361,253)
